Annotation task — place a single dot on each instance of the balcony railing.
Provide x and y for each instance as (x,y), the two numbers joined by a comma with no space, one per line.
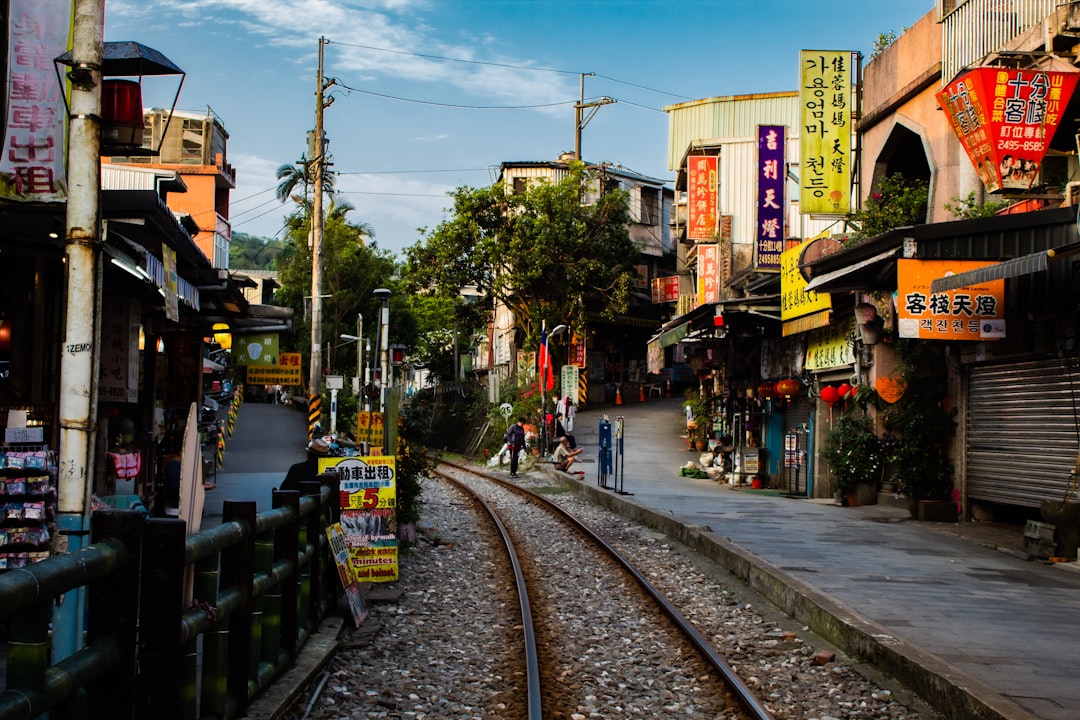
(975,28)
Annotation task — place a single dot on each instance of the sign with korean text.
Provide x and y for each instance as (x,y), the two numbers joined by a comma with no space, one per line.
(825,132)
(795,300)
(665,289)
(369,429)
(831,347)
(702,199)
(35,131)
(771,177)
(287,372)
(1005,119)
(368,500)
(708,268)
(976,312)
(257,350)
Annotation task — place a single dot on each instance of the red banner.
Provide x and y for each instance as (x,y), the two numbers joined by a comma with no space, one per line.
(1005,119)
(708,267)
(701,197)
(665,289)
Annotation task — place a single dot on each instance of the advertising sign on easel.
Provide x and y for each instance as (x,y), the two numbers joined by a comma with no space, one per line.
(368,487)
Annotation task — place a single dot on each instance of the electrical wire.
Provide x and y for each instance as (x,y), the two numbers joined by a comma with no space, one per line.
(452,105)
(457,60)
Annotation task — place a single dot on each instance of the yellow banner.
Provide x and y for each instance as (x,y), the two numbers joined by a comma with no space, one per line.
(825,137)
(795,301)
(369,429)
(286,372)
(368,492)
(831,347)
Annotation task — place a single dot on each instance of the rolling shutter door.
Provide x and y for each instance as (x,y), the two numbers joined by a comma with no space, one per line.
(1021,430)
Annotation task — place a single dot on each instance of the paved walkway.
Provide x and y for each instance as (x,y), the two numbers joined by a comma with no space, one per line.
(958,598)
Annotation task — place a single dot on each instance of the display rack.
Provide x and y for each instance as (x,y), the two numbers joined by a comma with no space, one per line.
(28,500)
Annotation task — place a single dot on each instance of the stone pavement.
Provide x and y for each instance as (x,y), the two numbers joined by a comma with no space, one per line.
(955,610)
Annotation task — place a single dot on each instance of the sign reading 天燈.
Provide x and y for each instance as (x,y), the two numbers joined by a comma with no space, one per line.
(771,176)
(825,142)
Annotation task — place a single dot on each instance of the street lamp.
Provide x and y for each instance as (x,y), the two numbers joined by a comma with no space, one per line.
(383,347)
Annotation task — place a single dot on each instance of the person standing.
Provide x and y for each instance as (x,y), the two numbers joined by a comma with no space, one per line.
(515,442)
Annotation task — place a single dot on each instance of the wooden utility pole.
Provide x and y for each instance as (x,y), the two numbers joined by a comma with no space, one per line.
(579,121)
(319,162)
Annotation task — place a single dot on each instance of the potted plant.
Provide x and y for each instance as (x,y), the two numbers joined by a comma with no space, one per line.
(855,457)
(698,420)
(919,428)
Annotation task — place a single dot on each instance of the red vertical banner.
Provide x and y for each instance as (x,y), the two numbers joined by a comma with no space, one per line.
(701,187)
(708,266)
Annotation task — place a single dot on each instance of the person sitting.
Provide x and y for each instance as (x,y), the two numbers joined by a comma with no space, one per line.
(308,469)
(564,456)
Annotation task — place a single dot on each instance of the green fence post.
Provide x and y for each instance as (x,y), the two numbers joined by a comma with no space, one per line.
(238,572)
(161,596)
(287,550)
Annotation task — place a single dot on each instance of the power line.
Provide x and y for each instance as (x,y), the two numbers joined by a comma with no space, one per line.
(458,60)
(452,105)
(407,172)
(643,87)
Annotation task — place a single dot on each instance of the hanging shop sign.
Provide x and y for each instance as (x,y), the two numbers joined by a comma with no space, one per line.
(976,312)
(1005,119)
(708,268)
(285,372)
(795,300)
(831,347)
(702,199)
(665,289)
(257,350)
(771,179)
(825,138)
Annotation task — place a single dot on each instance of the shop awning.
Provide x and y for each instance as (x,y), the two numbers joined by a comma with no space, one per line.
(1024,265)
(674,335)
(209,366)
(860,275)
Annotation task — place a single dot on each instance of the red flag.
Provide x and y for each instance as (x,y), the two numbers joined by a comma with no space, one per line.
(544,360)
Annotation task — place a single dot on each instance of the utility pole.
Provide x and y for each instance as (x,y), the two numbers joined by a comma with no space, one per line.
(579,121)
(81,345)
(319,161)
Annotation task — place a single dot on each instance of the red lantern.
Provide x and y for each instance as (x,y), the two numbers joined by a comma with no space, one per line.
(829,395)
(787,387)
(844,390)
(765,390)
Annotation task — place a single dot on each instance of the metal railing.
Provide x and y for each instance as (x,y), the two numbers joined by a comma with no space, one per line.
(177,627)
(977,28)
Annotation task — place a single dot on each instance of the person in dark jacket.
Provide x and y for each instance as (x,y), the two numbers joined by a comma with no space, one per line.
(306,469)
(515,442)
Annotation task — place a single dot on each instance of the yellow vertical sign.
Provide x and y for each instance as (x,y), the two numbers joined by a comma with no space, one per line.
(825,132)
(795,301)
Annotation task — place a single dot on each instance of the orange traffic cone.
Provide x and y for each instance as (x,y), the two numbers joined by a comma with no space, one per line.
(618,396)
(641,393)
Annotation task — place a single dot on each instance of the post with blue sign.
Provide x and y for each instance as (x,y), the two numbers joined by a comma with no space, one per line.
(604,461)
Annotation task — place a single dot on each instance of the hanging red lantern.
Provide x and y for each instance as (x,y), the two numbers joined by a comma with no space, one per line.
(845,390)
(765,390)
(787,387)
(829,395)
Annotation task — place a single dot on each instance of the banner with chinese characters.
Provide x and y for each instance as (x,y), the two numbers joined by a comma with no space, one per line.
(1005,119)
(286,372)
(35,129)
(665,289)
(976,312)
(119,377)
(708,269)
(825,137)
(369,429)
(702,198)
(830,347)
(257,350)
(368,498)
(795,301)
(771,176)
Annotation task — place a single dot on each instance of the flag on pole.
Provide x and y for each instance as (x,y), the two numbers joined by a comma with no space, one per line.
(546,375)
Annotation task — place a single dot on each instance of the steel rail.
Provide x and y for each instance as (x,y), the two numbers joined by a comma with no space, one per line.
(745,696)
(532,662)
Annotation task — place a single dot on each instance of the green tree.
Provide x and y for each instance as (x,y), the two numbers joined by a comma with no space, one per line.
(896,202)
(301,174)
(542,253)
(249,252)
(968,208)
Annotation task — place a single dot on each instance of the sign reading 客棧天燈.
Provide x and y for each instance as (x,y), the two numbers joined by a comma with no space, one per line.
(976,312)
(1005,119)
(702,200)
(771,176)
(825,132)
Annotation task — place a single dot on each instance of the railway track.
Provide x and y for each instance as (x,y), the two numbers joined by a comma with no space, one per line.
(452,645)
(555,683)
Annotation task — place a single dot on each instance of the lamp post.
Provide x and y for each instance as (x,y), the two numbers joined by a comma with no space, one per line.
(383,348)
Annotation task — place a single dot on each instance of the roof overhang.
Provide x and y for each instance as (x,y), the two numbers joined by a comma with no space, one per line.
(866,273)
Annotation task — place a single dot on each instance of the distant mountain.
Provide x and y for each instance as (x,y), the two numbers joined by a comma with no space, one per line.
(254,253)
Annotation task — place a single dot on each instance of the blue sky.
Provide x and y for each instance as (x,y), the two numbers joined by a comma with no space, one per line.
(434,94)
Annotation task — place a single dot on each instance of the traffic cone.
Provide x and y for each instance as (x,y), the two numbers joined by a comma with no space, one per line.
(641,393)
(618,396)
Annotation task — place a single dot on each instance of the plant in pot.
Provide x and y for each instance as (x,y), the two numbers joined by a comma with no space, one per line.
(854,454)
(697,423)
(919,427)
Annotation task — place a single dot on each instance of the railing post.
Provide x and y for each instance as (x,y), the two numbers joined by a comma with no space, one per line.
(215,641)
(238,572)
(287,549)
(113,612)
(161,608)
(266,634)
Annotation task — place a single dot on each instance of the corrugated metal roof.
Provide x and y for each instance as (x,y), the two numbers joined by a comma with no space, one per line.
(723,119)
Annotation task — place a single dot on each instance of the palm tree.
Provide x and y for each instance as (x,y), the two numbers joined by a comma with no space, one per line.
(303,172)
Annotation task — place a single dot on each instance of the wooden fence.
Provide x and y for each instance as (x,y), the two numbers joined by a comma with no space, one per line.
(177,627)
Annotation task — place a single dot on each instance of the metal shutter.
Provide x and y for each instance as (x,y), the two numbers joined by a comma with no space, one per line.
(1022,430)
